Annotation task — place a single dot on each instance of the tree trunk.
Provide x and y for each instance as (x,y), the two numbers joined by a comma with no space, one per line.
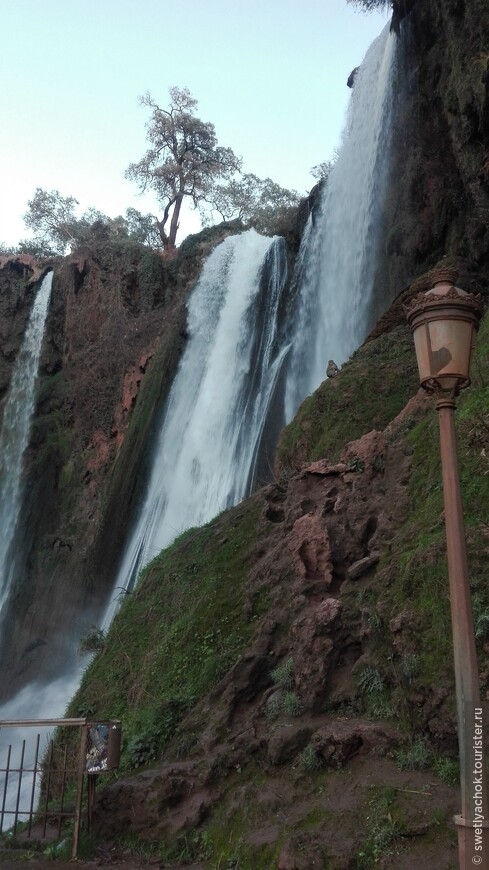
(174,222)
(163,236)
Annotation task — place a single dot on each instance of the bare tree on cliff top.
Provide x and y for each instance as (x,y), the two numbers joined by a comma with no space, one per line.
(259,202)
(51,217)
(369,5)
(184,160)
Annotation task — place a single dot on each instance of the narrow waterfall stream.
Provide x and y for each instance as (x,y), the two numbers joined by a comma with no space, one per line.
(217,408)
(338,256)
(14,438)
(15,430)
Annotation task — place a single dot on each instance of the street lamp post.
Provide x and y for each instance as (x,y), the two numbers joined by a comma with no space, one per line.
(443,322)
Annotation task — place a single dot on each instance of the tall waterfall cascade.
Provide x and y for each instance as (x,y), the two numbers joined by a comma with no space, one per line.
(15,430)
(205,458)
(337,261)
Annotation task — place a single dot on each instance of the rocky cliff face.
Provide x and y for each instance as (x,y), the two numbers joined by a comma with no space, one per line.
(438,200)
(320,641)
(17,280)
(278,667)
(114,334)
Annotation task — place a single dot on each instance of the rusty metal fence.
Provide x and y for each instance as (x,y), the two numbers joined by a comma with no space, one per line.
(43,777)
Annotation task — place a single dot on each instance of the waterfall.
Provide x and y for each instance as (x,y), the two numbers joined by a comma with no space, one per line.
(236,358)
(14,434)
(205,459)
(239,353)
(336,264)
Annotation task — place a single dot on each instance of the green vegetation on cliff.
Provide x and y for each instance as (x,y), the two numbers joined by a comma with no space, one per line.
(413,572)
(374,386)
(200,608)
(176,635)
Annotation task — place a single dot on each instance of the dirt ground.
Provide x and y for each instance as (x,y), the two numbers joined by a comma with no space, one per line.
(424,804)
(25,861)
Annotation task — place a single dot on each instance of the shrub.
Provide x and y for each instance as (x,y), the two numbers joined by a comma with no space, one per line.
(370,681)
(92,642)
(309,759)
(447,769)
(417,756)
(356,464)
(291,705)
(375,695)
(141,749)
(283,704)
(410,666)
(283,674)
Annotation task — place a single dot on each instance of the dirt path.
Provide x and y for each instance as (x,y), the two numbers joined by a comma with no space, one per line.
(26,861)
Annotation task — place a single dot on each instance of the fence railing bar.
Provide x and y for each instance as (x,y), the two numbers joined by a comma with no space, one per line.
(47,787)
(5,787)
(31,770)
(79,789)
(63,786)
(20,770)
(50,813)
(21,723)
(40,777)
(33,791)
(19,787)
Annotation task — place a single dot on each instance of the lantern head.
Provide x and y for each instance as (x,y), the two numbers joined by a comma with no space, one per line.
(444,322)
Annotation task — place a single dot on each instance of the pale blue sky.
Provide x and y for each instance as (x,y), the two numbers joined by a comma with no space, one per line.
(269,74)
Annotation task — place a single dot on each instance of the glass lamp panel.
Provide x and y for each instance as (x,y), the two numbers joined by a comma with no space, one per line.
(451,342)
(421,345)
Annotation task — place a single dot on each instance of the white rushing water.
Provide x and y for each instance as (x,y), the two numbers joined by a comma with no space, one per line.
(337,260)
(206,453)
(14,434)
(38,701)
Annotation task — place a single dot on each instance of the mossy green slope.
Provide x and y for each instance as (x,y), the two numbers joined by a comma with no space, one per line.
(176,635)
(413,573)
(373,386)
(186,624)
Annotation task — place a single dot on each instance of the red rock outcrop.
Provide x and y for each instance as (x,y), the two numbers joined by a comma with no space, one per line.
(24,260)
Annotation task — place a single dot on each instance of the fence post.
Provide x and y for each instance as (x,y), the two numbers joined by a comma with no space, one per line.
(82,760)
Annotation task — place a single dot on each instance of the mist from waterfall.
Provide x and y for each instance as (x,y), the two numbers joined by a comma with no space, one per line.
(206,454)
(336,265)
(15,430)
